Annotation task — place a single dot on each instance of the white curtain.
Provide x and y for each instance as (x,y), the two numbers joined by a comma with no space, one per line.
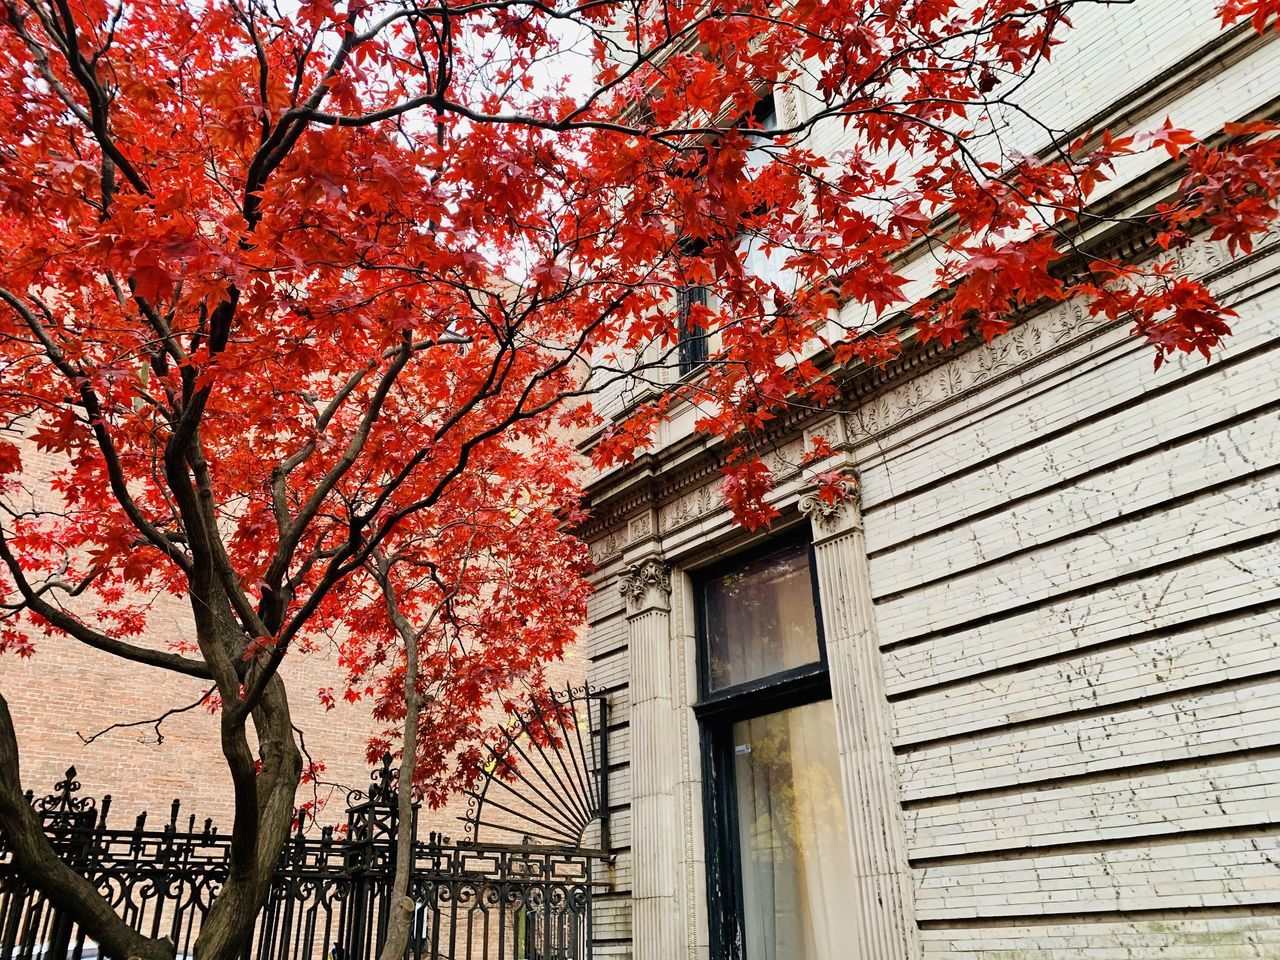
(796,877)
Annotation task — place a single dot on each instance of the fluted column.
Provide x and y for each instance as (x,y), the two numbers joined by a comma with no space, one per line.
(655,763)
(884,898)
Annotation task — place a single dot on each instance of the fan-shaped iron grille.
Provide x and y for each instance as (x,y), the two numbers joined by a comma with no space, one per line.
(546,779)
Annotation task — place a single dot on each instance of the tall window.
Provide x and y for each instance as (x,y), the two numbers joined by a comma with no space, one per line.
(695,343)
(693,339)
(768,265)
(780,880)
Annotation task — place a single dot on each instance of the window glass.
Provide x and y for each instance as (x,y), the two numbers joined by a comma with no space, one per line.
(769,264)
(760,154)
(760,619)
(797,880)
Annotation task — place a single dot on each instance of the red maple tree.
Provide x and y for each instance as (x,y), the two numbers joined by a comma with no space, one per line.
(299,297)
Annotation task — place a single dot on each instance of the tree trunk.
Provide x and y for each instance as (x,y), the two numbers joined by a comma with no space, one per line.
(400,919)
(229,925)
(44,870)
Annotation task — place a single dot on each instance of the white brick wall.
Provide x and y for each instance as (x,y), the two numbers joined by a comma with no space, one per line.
(1078,591)
(1076,568)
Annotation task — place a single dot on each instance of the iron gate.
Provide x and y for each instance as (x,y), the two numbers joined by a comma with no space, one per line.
(477,900)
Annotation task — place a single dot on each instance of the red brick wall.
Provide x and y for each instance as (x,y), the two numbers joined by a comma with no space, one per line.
(67,690)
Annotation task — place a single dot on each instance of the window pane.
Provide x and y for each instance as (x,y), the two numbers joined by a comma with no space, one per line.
(769,265)
(760,619)
(797,880)
(759,153)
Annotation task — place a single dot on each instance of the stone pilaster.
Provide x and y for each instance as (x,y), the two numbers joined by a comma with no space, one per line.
(884,899)
(656,914)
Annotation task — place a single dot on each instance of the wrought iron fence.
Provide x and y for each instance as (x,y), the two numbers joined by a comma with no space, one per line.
(331,892)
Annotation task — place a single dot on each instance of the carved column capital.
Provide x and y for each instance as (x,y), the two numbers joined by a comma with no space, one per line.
(646,585)
(833,516)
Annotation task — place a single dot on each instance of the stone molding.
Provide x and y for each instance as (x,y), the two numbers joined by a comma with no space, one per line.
(646,585)
(895,401)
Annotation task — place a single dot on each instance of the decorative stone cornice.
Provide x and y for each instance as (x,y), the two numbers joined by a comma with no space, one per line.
(646,585)
(832,517)
(682,481)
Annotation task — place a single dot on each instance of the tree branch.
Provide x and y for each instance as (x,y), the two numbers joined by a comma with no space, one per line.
(154,722)
(87,635)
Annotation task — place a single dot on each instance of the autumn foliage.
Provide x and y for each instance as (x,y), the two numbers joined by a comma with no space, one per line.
(312,302)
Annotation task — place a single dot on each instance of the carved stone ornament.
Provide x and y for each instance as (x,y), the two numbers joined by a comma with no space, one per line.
(694,505)
(606,548)
(638,528)
(646,584)
(830,517)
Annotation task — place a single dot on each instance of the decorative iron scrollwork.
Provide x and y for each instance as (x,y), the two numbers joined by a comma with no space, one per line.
(329,895)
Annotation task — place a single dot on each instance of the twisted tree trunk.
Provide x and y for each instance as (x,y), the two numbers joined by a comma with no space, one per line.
(44,869)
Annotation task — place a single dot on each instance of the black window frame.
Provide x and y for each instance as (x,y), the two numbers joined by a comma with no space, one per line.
(717,711)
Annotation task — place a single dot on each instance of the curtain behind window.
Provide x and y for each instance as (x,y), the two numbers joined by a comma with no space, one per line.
(796,876)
